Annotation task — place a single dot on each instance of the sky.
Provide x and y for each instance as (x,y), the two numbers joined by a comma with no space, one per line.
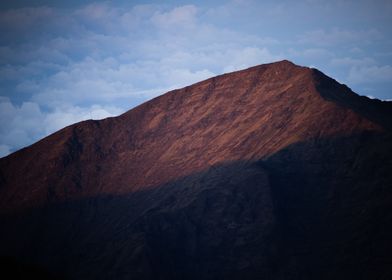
(66,61)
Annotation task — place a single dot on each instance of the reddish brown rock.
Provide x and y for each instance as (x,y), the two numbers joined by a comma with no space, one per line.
(245,115)
(275,172)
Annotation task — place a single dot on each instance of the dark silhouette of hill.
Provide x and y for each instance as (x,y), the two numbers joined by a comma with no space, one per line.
(273,172)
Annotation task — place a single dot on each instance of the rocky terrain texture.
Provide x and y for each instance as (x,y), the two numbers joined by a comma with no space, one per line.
(273,172)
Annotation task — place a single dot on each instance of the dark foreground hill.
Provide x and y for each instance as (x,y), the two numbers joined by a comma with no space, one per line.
(273,172)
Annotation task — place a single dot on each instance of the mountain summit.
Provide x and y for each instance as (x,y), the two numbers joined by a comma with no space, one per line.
(274,172)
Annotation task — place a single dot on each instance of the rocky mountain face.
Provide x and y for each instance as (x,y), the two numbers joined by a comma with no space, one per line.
(273,172)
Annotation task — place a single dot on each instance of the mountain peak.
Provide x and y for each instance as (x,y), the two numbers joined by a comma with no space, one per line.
(241,116)
(284,62)
(236,177)
(285,65)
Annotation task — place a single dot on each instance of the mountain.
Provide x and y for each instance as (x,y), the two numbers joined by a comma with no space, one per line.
(273,172)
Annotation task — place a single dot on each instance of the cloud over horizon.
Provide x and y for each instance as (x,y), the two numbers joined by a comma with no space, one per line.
(63,64)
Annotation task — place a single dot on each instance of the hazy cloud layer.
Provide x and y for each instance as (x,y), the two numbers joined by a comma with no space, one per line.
(62,63)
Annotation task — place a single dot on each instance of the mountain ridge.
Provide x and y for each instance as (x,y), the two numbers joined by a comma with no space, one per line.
(163,119)
(276,172)
(385,103)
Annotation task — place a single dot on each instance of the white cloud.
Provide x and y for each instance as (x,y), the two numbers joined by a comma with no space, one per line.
(338,36)
(22,125)
(178,17)
(248,56)
(311,53)
(370,74)
(107,81)
(96,11)
(62,117)
(316,53)
(348,61)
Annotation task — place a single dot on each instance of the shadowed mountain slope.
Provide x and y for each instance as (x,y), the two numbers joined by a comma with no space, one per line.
(275,172)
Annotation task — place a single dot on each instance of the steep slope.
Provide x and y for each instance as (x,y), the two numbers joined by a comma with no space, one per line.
(245,115)
(276,171)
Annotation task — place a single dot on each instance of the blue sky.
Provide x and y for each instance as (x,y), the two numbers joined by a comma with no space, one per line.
(67,61)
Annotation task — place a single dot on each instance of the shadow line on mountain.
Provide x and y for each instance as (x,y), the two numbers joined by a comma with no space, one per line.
(317,209)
